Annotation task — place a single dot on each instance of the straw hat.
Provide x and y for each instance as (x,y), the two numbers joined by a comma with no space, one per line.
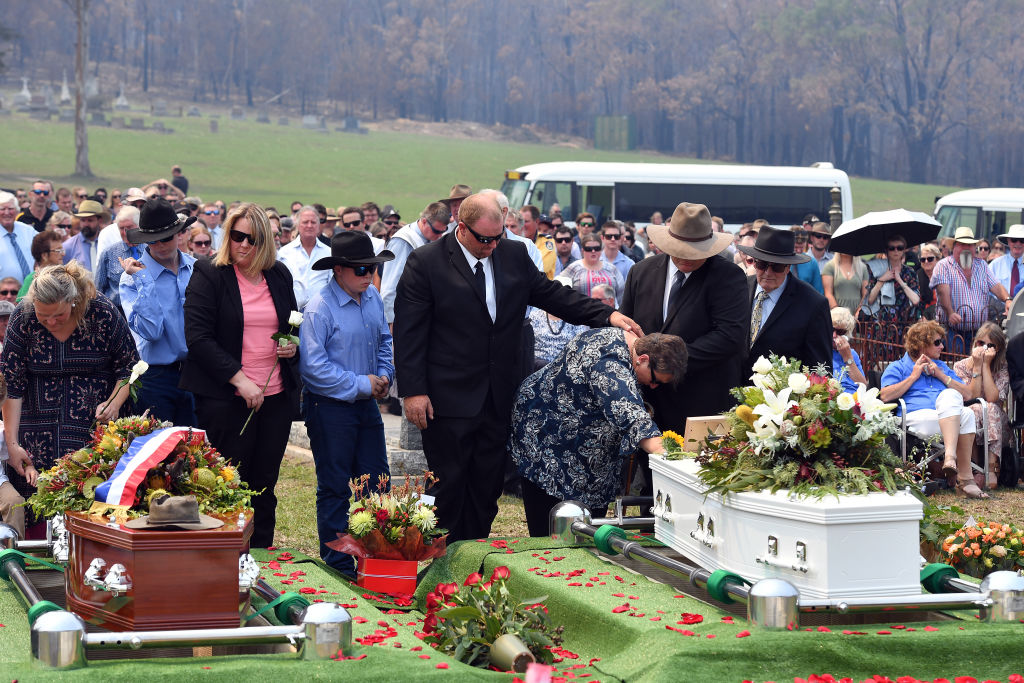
(1015,232)
(689,234)
(964,236)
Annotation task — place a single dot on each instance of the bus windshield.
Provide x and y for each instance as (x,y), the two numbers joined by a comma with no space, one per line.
(516,191)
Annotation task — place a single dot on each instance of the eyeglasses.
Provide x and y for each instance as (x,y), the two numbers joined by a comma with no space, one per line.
(392,223)
(212,213)
(938,342)
(556,226)
(352,224)
(613,236)
(585,224)
(977,342)
(749,261)
(161,186)
(58,250)
(237,236)
(592,248)
(927,259)
(201,243)
(820,236)
(775,267)
(563,240)
(896,247)
(360,271)
(482,239)
(41,192)
(8,292)
(82,196)
(983,248)
(115,196)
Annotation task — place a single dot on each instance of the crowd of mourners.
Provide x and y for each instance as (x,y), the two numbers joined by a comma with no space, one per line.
(539,352)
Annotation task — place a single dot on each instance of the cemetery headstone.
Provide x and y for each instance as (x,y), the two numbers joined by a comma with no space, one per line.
(237,113)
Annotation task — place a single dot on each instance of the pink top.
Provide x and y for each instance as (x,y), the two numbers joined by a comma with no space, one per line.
(259,351)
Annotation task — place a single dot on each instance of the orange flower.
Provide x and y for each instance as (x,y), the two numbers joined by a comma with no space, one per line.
(967,552)
(975,546)
(973,532)
(977,552)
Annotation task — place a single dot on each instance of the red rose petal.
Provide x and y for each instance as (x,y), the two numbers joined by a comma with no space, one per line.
(620,609)
(884,633)
(416,649)
(618,595)
(930,628)
(743,634)
(824,629)
(424,656)
(442,665)
(712,635)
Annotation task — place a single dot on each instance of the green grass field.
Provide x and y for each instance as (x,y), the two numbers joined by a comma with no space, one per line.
(275,165)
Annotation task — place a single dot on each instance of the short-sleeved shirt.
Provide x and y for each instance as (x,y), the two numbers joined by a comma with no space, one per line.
(847,291)
(969,299)
(584,279)
(921,394)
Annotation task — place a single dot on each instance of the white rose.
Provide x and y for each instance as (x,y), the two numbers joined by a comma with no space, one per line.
(295,319)
(762,366)
(799,383)
(138,370)
(845,401)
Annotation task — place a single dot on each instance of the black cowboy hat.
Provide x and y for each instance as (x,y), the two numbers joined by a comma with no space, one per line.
(352,248)
(158,220)
(774,246)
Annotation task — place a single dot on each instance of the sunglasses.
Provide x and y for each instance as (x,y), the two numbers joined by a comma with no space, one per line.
(161,186)
(612,237)
(82,196)
(41,192)
(115,196)
(563,240)
(775,267)
(211,213)
(838,330)
(352,224)
(988,345)
(927,259)
(201,243)
(391,223)
(820,236)
(896,247)
(983,248)
(482,239)
(65,226)
(592,249)
(323,219)
(556,226)
(8,292)
(938,342)
(1011,240)
(749,261)
(237,236)
(586,225)
(360,271)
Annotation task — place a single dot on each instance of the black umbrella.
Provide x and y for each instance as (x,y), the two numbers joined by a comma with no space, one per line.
(870,233)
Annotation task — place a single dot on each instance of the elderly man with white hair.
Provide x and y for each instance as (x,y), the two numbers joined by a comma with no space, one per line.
(108,269)
(111,235)
(15,240)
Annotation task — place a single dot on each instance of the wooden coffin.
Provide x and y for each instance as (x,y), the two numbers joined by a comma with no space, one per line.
(179,579)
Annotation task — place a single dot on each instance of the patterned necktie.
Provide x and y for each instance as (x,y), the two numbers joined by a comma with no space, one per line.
(755,318)
(25,270)
(1015,278)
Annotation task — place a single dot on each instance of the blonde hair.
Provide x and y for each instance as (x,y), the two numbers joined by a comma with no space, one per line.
(70,283)
(931,250)
(199,230)
(841,317)
(259,224)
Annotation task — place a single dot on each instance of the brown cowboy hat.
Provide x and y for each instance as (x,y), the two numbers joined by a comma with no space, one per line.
(775,246)
(457,192)
(689,234)
(178,512)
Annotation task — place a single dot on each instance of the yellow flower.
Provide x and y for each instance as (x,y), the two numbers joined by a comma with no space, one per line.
(745,413)
(229,473)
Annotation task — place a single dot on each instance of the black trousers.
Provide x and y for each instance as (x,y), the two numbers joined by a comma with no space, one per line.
(468,457)
(537,503)
(257,454)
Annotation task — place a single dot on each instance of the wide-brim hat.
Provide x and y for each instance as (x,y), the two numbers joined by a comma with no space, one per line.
(176,512)
(964,235)
(352,248)
(457,192)
(1015,231)
(90,207)
(158,220)
(774,246)
(133,194)
(689,235)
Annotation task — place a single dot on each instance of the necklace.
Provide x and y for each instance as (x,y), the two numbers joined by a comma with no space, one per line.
(547,318)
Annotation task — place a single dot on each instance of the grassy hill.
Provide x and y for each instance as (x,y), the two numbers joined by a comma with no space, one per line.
(275,165)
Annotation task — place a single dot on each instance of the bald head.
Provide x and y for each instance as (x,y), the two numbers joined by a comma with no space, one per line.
(477,206)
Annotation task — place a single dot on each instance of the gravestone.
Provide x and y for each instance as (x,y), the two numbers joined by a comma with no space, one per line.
(283,121)
(121,103)
(310,122)
(40,114)
(410,437)
(98,119)
(213,125)
(160,108)
(117,122)
(67,115)
(237,114)
(193,111)
(65,92)
(137,123)
(24,97)
(262,116)
(92,87)
(47,93)
(158,126)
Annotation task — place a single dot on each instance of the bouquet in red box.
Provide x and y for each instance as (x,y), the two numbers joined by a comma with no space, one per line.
(392,523)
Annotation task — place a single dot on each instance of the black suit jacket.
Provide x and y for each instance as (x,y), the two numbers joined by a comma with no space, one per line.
(214,323)
(800,325)
(711,316)
(446,345)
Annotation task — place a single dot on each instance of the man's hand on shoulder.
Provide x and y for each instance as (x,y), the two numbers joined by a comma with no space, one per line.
(625,323)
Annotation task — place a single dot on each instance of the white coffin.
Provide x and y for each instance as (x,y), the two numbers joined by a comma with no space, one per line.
(857,545)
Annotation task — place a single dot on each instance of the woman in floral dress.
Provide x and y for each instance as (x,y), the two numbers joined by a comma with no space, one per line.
(987,373)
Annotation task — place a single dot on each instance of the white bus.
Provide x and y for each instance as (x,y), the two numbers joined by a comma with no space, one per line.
(782,195)
(988,211)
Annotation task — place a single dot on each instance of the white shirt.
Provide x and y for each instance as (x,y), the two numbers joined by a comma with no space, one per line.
(492,302)
(669,280)
(109,236)
(307,281)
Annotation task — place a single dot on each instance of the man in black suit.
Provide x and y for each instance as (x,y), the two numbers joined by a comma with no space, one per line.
(459,312)
(787,316)
(691,292)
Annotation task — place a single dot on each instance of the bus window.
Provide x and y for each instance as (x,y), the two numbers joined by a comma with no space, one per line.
(953,217)
(516,191)
(736,204)
(596,199)
(548,192)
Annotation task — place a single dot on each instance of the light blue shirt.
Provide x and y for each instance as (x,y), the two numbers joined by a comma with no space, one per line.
(922,393)
(77,248)
(401,245)
(1002,270)
(769,304)
(622,262)
(343,341)
(306,281)
(9,266)
(108,269)
(153,300)
(216,237)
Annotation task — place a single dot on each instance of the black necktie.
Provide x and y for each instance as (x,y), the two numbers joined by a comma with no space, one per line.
(676,290)
(481,281)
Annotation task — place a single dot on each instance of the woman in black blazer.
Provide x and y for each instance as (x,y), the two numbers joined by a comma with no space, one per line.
(232,307)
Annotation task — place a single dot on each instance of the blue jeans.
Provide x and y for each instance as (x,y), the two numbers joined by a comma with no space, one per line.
(160,394)
(347,441)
